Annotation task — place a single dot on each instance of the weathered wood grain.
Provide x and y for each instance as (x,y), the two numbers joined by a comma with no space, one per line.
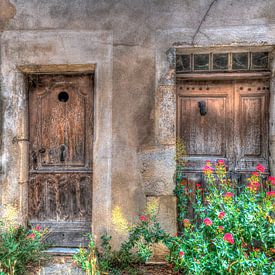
(61,141)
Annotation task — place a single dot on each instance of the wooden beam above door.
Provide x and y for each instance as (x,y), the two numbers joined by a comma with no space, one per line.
(57,68)
(223,76)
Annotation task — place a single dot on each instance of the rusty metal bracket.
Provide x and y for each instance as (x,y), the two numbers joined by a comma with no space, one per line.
(16,140)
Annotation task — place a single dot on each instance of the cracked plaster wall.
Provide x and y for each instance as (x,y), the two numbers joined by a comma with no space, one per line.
(143,78)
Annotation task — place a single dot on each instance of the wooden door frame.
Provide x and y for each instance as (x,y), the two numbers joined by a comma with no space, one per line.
(56,69)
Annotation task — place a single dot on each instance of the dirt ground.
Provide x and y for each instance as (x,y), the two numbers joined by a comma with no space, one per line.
(153,270)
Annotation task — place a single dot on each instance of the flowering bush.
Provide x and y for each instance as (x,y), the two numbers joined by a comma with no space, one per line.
(20,248)
(230,232)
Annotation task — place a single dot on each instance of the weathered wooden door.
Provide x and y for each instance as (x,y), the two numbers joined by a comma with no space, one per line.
(61,143)
(223,120)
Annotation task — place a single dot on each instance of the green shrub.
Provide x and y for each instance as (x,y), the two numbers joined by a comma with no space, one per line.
(231,232)
(20,248)
(137,249)
(87,258)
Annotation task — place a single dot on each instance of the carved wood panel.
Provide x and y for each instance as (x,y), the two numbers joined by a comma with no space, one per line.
(61,141)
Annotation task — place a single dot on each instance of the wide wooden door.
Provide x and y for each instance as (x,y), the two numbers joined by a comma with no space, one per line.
(61,145)
(223,120)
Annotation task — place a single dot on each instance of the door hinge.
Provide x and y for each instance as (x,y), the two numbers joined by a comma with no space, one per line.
(16,140)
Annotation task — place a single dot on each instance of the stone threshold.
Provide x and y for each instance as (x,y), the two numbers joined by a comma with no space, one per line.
(62,251)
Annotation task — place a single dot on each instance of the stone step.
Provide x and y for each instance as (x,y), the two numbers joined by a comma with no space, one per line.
(58,265)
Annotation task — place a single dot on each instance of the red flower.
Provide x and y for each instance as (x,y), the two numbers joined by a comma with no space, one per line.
(143,218)
(228,195)
(207,222)
(198,185)
(186,223)
(31,236)
(260,168)
(221,228)
(253,186)
(272,180)
(229,238)
(181,253)
(221,215)
(255,174)
(183,182)
(38,228)
(270,193)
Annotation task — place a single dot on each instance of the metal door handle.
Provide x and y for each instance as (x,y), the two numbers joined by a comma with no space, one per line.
(202,107)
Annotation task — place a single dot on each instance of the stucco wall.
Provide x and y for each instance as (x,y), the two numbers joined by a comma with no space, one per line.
(137,161)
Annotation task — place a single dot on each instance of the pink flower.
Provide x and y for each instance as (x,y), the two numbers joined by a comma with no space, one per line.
(228,195)
(221,215)
(229,238)
(272,180)
(31,236)
(207,170)
(38,228)
(221,161)
(181,254)
(143,218)
(207,222)
(270,193)
(260,168)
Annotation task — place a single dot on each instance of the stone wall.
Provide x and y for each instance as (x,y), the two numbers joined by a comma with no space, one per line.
(133,44)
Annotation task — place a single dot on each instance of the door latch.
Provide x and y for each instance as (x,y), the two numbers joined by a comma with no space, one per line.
(202,107)
(62,153)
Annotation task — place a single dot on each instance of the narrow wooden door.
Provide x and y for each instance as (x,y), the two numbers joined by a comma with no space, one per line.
(223,120)
(61,143)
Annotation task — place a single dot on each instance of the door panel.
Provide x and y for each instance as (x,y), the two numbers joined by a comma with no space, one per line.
(251,119)
(61,135)
(205,135)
